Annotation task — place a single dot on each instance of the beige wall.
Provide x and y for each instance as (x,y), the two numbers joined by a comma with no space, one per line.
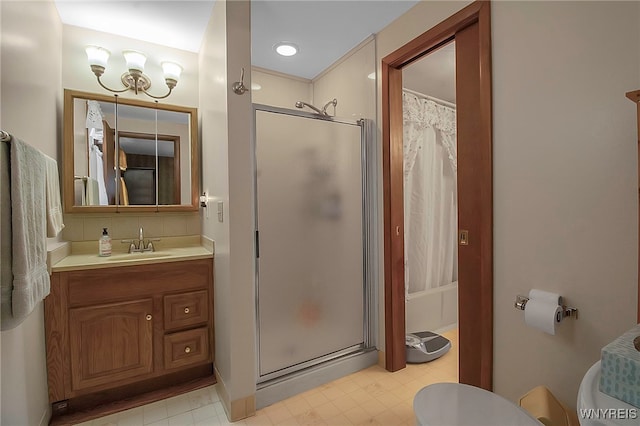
(279,89)
(215,179)
(347,81)
(565,176)
(240,211)
(565,173)
(228,178)
(31,110)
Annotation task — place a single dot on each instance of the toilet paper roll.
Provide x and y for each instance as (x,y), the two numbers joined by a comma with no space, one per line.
(545,295)
(543,314)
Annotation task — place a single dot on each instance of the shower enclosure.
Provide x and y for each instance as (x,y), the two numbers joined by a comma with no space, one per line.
(313,298)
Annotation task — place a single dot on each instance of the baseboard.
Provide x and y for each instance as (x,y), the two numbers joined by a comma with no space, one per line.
(237,409)
(222,392)
(46,416)
(446,328)
(382,359)
(243,408)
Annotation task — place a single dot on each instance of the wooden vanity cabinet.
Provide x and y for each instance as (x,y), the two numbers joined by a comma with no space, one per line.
(127,330)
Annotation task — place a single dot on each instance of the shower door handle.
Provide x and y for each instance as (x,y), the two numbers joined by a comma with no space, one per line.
(257,244)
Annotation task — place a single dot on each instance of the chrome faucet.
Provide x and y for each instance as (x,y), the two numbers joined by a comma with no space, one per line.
(140,248)
(141,240)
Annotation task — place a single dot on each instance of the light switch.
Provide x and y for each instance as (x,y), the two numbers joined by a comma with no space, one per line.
(220,211)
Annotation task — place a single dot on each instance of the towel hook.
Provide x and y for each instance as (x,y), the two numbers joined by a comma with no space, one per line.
(238,87)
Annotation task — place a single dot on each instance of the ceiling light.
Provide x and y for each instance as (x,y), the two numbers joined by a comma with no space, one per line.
(134,79)
(286,49)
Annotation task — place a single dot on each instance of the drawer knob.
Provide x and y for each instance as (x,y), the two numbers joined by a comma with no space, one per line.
(187,349)
(148,317)
(186,310)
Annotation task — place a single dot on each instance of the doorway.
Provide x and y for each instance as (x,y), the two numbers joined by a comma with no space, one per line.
(430,194)
(471,30)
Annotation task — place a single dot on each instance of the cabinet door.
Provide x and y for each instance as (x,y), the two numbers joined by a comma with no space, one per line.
(110,343)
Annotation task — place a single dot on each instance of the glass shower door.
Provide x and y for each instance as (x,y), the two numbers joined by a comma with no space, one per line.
(310,252)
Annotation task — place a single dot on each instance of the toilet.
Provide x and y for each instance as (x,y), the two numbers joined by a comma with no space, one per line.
(590,399)
(457,404)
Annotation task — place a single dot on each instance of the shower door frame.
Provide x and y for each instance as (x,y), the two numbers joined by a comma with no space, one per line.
(369,249)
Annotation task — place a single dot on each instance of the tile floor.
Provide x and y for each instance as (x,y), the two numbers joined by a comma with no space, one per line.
(369,397)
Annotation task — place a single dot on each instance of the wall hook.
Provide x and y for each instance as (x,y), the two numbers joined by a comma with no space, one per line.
(238,87)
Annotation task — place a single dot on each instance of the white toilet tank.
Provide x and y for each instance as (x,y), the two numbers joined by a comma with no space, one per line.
(598,409)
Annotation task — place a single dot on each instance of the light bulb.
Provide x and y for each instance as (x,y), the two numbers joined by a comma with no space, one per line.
(97,55)
(135,60)
(171,70)
(286,49)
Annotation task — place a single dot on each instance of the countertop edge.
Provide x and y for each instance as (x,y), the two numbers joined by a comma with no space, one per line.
(134,262)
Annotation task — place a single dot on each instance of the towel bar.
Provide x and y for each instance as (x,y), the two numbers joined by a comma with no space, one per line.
(4,136)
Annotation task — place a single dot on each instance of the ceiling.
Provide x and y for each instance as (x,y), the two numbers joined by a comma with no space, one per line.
(324,30)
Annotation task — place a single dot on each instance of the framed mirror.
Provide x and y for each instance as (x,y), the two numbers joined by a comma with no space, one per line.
(128,155)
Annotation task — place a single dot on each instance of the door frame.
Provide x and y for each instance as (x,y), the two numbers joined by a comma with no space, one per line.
(471,28)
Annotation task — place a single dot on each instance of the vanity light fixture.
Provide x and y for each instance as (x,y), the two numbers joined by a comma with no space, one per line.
(286,49)
(134,79)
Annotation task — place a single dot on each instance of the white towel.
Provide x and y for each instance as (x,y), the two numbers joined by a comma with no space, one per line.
(96,171)
(6,275)
(79,192)
(29,227)
(54,208)
(93,193)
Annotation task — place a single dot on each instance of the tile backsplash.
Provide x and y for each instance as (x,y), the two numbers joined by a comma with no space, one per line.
(88,227)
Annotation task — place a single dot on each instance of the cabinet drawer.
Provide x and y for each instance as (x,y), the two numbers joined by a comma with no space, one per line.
(185,309)
(186,348)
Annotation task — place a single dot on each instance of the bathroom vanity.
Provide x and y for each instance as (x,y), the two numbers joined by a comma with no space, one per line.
(117,328)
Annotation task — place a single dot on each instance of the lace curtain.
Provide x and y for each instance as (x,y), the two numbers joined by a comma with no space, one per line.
(430,197)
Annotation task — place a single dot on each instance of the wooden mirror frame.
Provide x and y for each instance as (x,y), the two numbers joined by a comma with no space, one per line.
(68,156)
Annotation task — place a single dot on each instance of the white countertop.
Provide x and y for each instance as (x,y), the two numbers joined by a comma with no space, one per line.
(84,255)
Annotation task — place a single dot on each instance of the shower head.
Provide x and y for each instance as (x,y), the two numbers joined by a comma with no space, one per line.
(301,104)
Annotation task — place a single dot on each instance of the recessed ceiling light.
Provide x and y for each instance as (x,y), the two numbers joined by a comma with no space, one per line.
(286,49)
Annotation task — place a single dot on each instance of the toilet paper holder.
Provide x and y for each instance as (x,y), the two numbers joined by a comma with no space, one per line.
(567,311)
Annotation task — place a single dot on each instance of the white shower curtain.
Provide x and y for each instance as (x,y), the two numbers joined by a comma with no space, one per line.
(430,198)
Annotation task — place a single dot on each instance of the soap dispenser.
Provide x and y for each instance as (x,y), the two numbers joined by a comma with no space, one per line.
(104,244)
